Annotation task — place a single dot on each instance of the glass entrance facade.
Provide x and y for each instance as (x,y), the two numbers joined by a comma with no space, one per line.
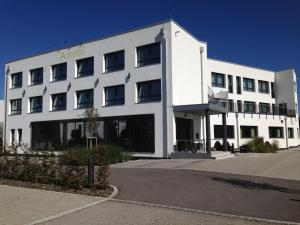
(133,133)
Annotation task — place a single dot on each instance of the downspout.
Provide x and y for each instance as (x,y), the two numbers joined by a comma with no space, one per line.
(286,133)
(5,107)
(202,91)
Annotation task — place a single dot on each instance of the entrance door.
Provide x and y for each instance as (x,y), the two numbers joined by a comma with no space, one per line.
(184,133)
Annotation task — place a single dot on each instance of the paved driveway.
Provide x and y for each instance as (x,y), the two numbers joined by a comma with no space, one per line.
(260,197)
(284,164)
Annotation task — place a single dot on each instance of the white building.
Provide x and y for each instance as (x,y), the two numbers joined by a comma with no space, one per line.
(153,87)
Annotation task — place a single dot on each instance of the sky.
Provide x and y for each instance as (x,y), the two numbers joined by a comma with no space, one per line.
(259,33)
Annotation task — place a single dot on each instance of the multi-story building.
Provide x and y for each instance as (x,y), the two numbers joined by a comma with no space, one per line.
(156,92)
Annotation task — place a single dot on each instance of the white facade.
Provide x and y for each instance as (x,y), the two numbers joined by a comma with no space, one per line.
(185,74)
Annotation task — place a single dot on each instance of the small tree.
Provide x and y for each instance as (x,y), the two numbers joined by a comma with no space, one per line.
(91,117)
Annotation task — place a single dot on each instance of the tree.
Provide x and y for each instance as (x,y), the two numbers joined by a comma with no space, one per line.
(91,117)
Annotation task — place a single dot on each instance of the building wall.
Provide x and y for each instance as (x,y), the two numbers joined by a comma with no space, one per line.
(127,41)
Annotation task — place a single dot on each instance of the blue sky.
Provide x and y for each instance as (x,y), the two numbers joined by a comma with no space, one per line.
(263,33)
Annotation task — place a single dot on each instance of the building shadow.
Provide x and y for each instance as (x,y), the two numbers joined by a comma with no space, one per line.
(255,185)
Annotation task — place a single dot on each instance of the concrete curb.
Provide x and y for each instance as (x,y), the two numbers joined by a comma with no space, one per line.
(255,219)
(115,193)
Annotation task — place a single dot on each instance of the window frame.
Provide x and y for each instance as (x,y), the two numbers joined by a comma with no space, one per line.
(59,77)
(260,85)
(114,102)
(230,83)
(246,84)
(37,81)
(215,80)
(228,127)
(86,73)
(289,134)
(243,133)
(114,68)
(86,104)
(58,108)
(148,61)
(36,109)
(151,98)
(275,137)
(246,106)
(18,110)
(260,104)
(16,85)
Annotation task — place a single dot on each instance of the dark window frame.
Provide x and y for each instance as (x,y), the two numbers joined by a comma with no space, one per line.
(62,76)
(263,87)
(18,110)
(230,83)
(87,72)
(244,133)
(151,97)
(246,86)
(115,101)
(215,80)
(38,81)
(238,85)
(272,89)
(38,109)
(88,104)
(272,132)
(18,84)
(150,60)
(263,104)
(59,107)
(248,105)
(218,131)
(108,69)
(291,133)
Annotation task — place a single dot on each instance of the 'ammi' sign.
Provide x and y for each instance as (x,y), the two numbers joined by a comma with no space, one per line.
(71,54)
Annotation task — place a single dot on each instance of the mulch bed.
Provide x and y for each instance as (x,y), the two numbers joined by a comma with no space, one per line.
(51,187)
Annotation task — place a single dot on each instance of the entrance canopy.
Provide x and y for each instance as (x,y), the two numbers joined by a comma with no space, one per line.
(201,109)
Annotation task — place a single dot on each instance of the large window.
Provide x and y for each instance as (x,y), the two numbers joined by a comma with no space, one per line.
(248,84)
(59,101)
(217,80)
(36,76)
(238,85)
(249,107)
(230,84)
(249,131)
(114,95)
(16,80)
(149,91)
(85,98)
(290,132)
(36,104)
(15,106)
(264,107)
(114,61)
(148,54)
(276,132)
(263,86)
(218,131)
(85,67)
(59,72)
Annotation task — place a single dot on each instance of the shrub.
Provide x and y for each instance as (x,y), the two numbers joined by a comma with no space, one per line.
(259,146)
(116,154)
(218,146)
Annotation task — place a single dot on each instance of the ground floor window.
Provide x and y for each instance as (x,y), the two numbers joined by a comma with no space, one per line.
(249,131)
(218,131)
(133,133)
(290,132)
(276,132)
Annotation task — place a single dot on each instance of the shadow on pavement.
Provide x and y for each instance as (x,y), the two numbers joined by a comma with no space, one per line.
(253,185)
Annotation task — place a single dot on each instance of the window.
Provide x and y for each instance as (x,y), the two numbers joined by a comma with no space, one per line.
(59,72)
(59,101)
(19,136)
(85,67)
(274,109)
(264,107)
(85,99)
(290,132)
(238,85)
(12,135)
(248,84)
(230,84)
(149,91)
(36,104)
(218,131)
(36,76)
(263,86)
(16,80)
(148,54)
(15,106)
(230,105)
(249,107)
(249,131)
(114,95)
(272,90)
(217,80)
(239,105)
(114,61)
(276,132)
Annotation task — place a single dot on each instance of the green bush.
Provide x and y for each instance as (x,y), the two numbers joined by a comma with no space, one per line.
(259,146)
(116,154)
